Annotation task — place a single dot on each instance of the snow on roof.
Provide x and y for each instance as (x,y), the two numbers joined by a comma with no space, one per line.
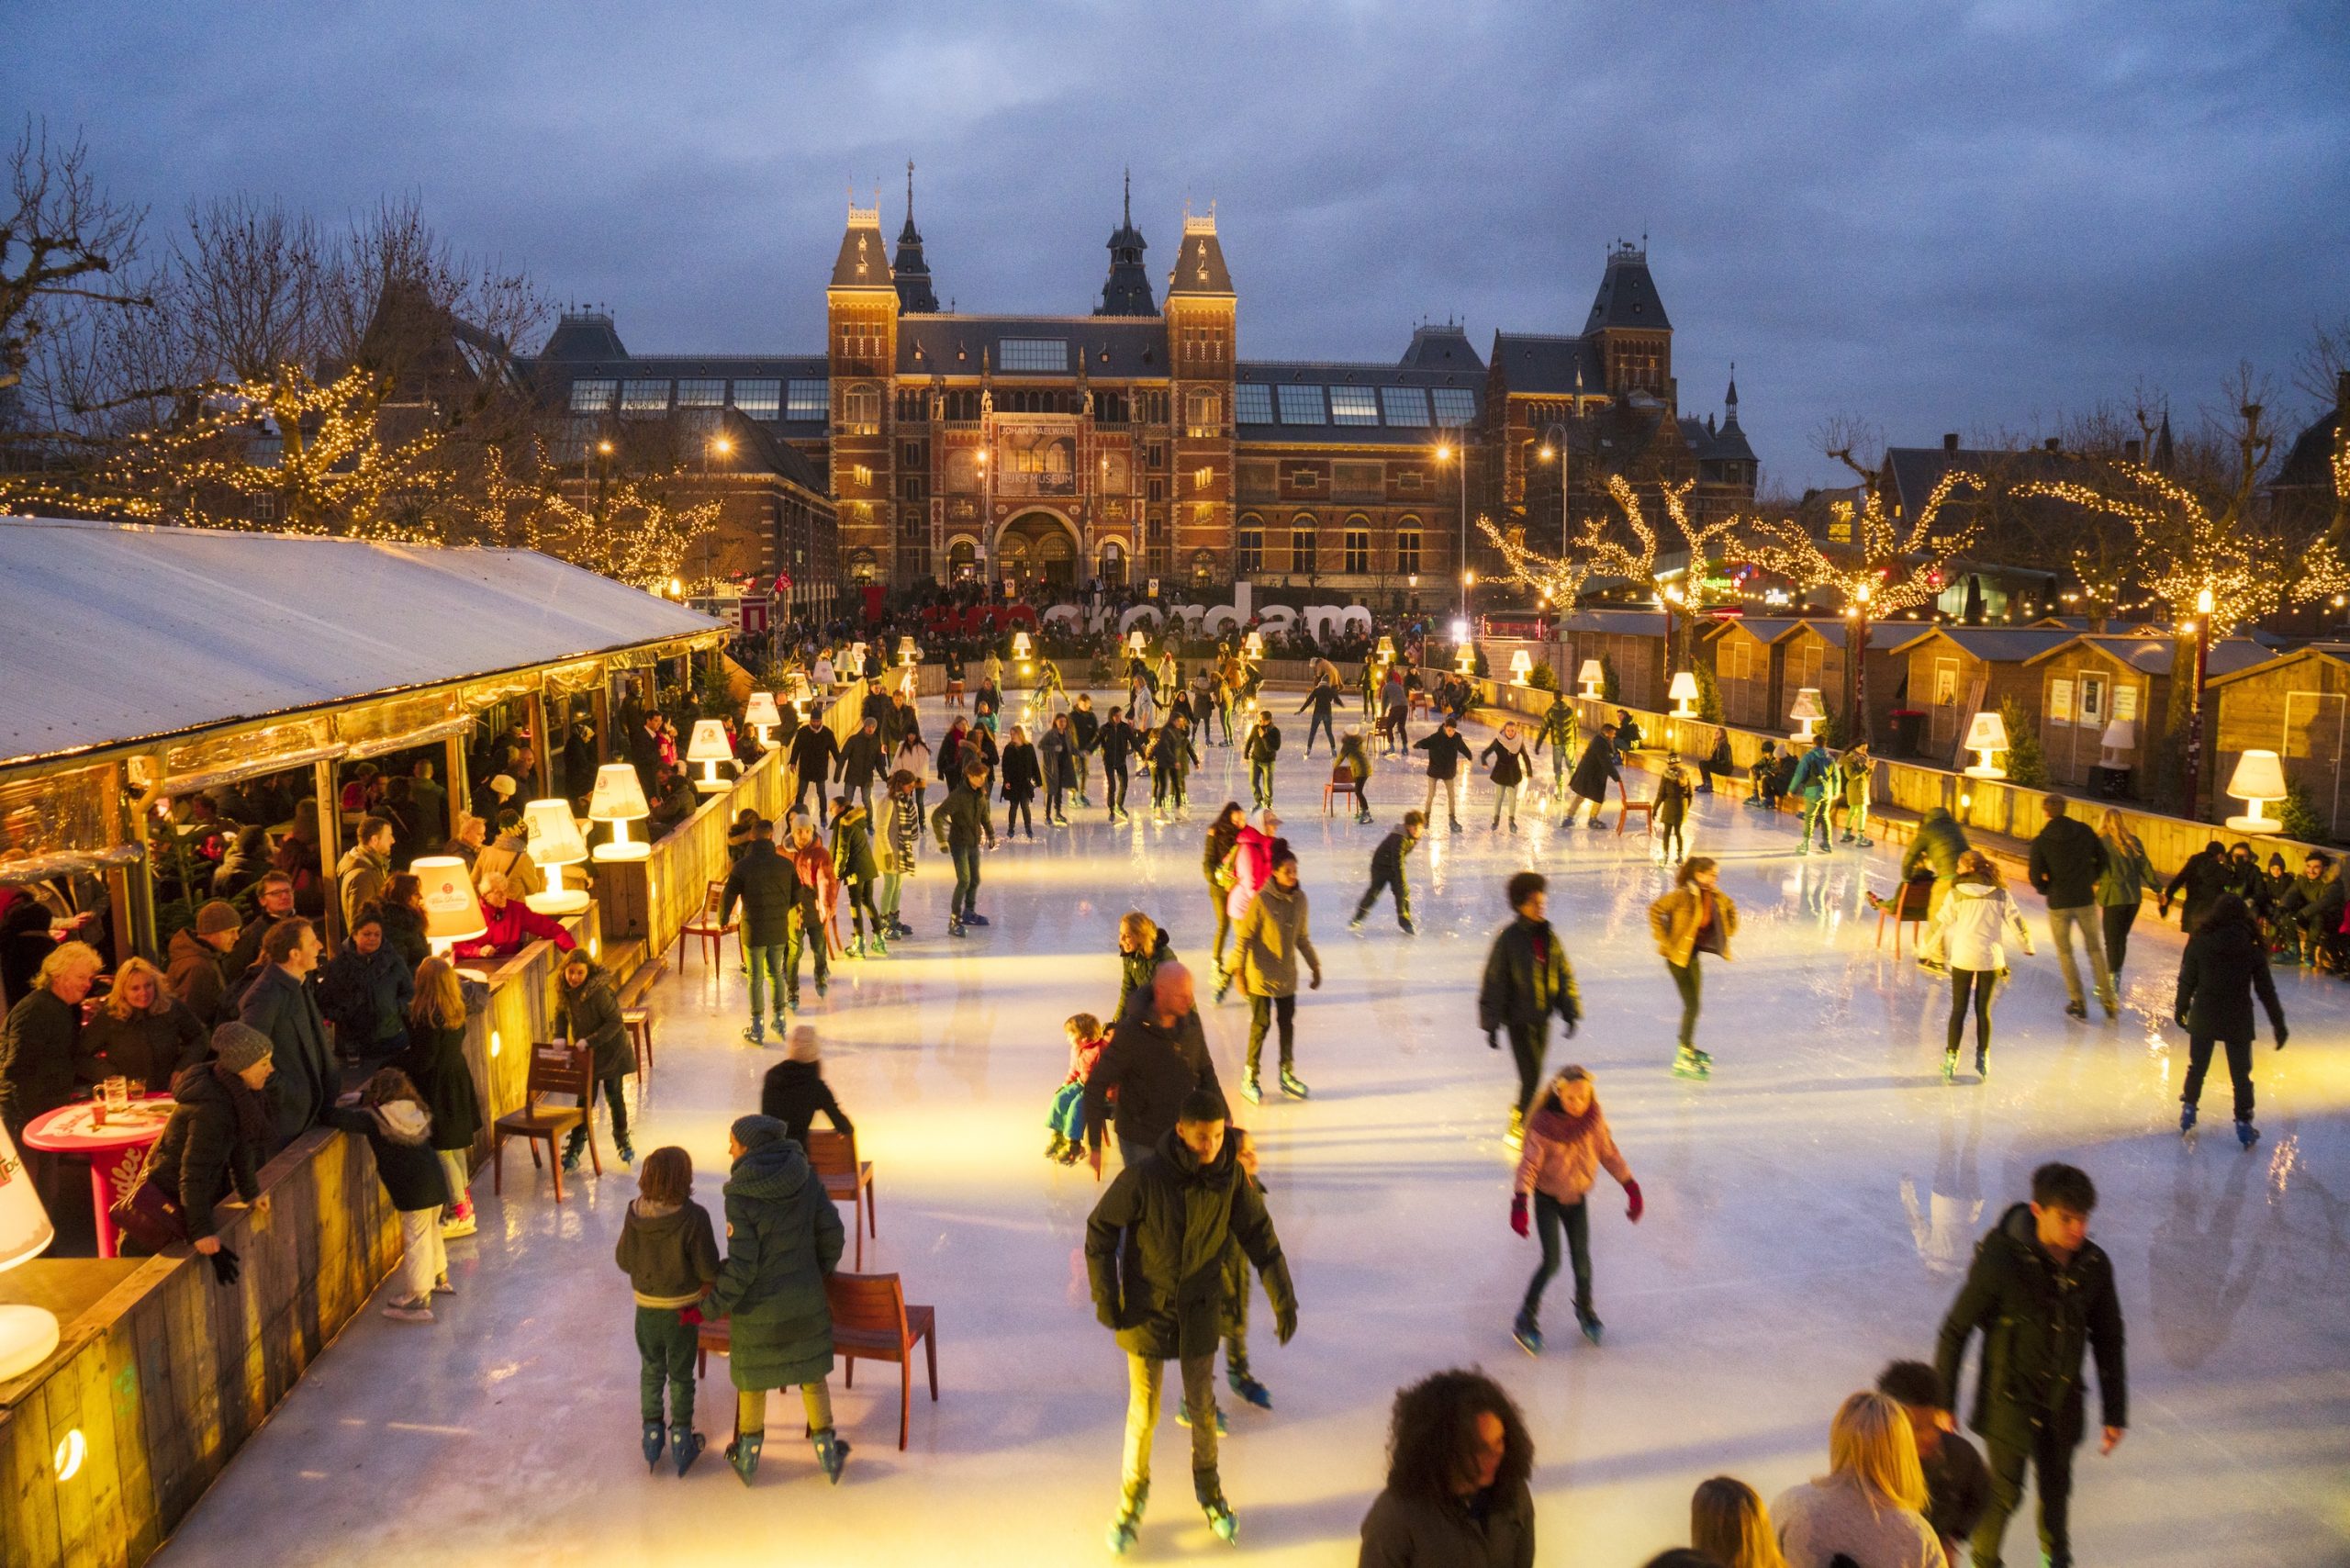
(114,632)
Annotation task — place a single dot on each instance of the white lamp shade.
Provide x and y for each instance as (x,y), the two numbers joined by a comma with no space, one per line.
(619,797)
(1134,643)
(1467,661)
(1807,707)
(762,710)
(709,744)
(451,912)
(1590,674)
(907,652)
(1521,663)
(1685,686)
(555,835)
(1988,732)
(1386,650)
(2120,735)
(2259,776)
(1021,646)
(25,1229)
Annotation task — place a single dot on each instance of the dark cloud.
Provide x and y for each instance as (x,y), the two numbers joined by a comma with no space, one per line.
(1939,216)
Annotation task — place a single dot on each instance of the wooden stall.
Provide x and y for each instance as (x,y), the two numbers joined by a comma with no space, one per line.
(1630,641)
(1750,662)
(2297,705)
(1955,672)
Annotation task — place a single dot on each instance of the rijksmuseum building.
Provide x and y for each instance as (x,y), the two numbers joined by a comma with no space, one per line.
(1137,441)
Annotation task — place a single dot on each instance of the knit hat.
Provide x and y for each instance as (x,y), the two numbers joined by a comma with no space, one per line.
(502,785)
(238,1046)
(216,916)
(758,1132)
(803,1043)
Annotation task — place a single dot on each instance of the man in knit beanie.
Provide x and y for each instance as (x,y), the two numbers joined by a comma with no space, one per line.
(196,974)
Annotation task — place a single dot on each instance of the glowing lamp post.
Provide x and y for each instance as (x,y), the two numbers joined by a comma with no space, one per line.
(708,747)
(556,842)
(620,800)
(1521,665)
(2204,604)
(763,716)
(1592,678)
(28,1333)
(1685,692)
(2259,778)
(1987,736)
(1807,712)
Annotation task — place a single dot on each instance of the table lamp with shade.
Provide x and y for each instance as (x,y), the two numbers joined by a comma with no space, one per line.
(1465,661)
(708,747)
(28,1333)
(620,800)
(2259,778)
(1521,665)
(1684,692)
(451,912)
(1022,649)
(1136,643)
(1807,712)
(1254,648)
(556,842)
(908,654)
(763,716)
(1985,735)
(1591,677)
(2120,735)
(1386,649)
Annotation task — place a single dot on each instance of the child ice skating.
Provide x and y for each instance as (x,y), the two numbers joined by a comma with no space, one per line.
(1567,1142)
(1066,1115)
(1696,917)
(1387,872)
(670,1256)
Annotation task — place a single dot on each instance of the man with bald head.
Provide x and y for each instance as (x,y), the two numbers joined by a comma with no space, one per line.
(1158,1054)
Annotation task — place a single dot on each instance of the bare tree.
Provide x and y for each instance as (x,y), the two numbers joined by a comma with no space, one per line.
(68,256)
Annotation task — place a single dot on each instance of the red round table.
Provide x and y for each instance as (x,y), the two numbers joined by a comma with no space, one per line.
(117,1151)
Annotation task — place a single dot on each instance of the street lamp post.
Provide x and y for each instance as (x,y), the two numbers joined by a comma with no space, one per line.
(1547,453)
(2203,606)
(1444,452)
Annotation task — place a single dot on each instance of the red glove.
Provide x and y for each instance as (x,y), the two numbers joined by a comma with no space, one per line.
(1633,1210)
(1517,1214)
(689,1316)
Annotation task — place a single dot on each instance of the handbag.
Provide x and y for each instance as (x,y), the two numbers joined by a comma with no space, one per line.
(150,1217)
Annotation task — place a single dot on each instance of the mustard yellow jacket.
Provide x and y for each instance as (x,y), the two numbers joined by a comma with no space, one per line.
(1673,918)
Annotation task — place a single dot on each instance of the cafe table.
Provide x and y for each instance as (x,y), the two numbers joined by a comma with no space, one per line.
(116,1149)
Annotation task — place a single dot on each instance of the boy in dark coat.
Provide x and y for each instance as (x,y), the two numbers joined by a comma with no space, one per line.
(1387,872)
(1262,746)
(2226,963)
(783,1240)
(1446,751)
(961,822)
(862,758)
(1527,980)
(2042,1292)
(1158,1054)
(765,884)
(794,1090)
(1153,1254)
(591,1017)
(2067,857)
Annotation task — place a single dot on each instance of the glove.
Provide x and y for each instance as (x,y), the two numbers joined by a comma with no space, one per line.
(2179,1019)
(1636,1207)
(1517,1214)
(1493,1040)
(225,1266)
(1285,1325)
(690,1316)
(2280,1036)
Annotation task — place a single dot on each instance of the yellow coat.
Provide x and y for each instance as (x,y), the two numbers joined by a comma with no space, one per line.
(1673,921)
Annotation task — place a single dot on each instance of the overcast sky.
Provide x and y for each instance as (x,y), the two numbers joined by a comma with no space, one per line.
(1941,217)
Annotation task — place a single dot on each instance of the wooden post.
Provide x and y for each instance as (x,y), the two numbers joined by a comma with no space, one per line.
(330,814)
(541,742)
(134,897)
(453,762)
(600,704)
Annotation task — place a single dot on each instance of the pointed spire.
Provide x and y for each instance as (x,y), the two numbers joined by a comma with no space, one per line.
(2165,454)
(1127,291)
(916,295)
(1130,196)
(1729,400)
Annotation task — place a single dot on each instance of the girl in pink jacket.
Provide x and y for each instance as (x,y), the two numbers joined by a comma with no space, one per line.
(1567,1141)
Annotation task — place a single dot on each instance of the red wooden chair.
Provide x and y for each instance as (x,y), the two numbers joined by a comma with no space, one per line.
(1906,907)
(846,1178)
(710,927)
(1646,808)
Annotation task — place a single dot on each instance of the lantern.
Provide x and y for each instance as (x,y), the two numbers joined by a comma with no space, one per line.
(556,842)
(1985,735)
(1591,677)
(620,800)
(2259,778)
(908,655)
(451,912)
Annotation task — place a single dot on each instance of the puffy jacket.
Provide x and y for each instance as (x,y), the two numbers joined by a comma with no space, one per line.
(1674,920)
(204,1154)
(1151,1067)
(1558,727)
(861,758)
(2068,858)
(591,1017)
(194,976)
(853,849)
(961,820)
(783,1240)
(151,1048)
(510,927)
(1970,929)
(1155,1244)
(1810,777)
(1564,1154)
(303,1084)
(1939,842)
(401,1134)
(767,885)
(1519,990)
(1252,863)
(669,1257)
(365,995)
(1405,1531)
(1354,760)
(1135,970)
(1267,940)
(2037,1317)
(1446,751)
(820,885)
(2223,967)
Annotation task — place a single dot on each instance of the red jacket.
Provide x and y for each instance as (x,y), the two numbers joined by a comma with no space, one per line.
(511,927)
(1082,1054)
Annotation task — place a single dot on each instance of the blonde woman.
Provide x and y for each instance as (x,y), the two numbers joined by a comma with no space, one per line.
(2129,877)
(1870,1506)
(435,1062)
(1728,1523)
(40,1044)
(140,1032)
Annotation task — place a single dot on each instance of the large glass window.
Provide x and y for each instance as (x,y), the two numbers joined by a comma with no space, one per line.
(1407,550)
(1032,353)
(760,400)
(1405,405)
(1353,406)
(1357,550)
(1455,405)
(702,394)
(1301,545)
(861,412)
(641,400)
(1302,405)
(809,400)
(593,395)
(1254,401)
(1248,548)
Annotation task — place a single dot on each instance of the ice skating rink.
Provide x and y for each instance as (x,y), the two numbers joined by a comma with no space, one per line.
(1809,1212)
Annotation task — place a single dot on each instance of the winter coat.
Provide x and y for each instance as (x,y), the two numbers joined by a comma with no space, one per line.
(1322,699)
(767,885)
(2198,885)
(1564,1154)
(2068,858)
(1510,762)
(509,856)
(1056,759)
(151,1048)
(40,1053)
(1672,808)
(1595,771)
(900,843)
(1173,750)
(1252,863)
(1154,1250)
(1151,1067)
(1404,1531)
(1939,842)
(204,1153)
(820,885)
(1970,929)
(793,1092)
(194,976)
(359,877)
(591,1017)
(1354,760)
(1117,743)
(1267,940)
(669,1256)
(303,1085)
(404,935)
(1446,751)
(1085,729)
(1674,920)
(2308,898)
(1263,745)
(365,995)
(1136,970)
(783,1240)
(1860,781)
(861,758)
(1830,1521)
(814,752)
(2223,967)
(401,1134)
(2037,1318)
(961,820)
(1021,774)
(1521,992)
(1811,775)
(435,1062)
(2128,877)
(1628,735)
(853,849)
(1387,860)
(1558,727)
(509,928)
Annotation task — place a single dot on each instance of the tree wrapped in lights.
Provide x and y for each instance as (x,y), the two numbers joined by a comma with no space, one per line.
(627,528)
(1887,568)
(1557,578)
(1675,588)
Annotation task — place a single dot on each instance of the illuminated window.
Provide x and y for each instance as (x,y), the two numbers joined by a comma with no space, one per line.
(759,399)
(641,400)
(809,400)
(1357,550)
(702,394)
(1455,405)
(1302,405)
(1253,403)
(593,396)
(861,473)
(1203,479)
(1405,405)
(1353,406)
(1032,353)
(1248,548)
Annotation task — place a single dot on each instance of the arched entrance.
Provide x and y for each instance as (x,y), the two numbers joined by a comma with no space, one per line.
(962,559)
(1039,546)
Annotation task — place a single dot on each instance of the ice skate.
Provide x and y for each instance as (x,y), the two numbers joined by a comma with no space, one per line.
(974,918)
(2187,1116)
(1250,1091)
(1983,1066)
(1693,1065)
(742,1453)
(832,1453)
(686,1446)
(655,1435)
(1355,925)
(1950,1066)
(1183,1420)
(1294,1086)
(1405,923)
(877,946)
(1210,1491)
(954,928)
(753,1036)
(1586,1320)
(1865,841)
(2247,1134)
(1249,1389)
(1526,1332)
(1127,1523)
(1058,1147)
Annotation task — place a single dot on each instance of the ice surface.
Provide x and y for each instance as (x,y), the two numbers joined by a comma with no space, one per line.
(1807,1212)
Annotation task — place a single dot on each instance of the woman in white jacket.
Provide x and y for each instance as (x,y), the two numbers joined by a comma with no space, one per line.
(1970,934)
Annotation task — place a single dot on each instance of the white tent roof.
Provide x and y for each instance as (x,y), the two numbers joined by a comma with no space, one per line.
(112,633)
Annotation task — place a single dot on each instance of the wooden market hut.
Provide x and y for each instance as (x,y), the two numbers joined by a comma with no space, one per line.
(1630,641)
(2084,684)
(1750,662)
(2297,705)
(1954,672)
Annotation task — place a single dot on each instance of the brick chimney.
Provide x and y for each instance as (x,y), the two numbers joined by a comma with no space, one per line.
(2131,448)
(2051,444)
(1950,441)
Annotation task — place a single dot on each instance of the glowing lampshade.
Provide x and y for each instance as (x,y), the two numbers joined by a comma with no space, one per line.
(908,655)
(762,715)
(451,912)
(708,747)
(2120,735)
(857,659)
(1684,692)
(1022,648)
(1255,646)
(620,800)
(1807,712)
(1386,650)
(1521,665)
(28,1333)
(2259,778)
(556,842)
(1986,734)
(1591,677)
(1136,643)
(1466,661)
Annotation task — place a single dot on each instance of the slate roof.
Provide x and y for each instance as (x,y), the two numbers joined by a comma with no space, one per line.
(2155,655)
(1546,365)
(1115,347)
(585,335)
(1199,266)
(1441,348)
(1769,628)
(1627,296)
(864,261)
(1993,645)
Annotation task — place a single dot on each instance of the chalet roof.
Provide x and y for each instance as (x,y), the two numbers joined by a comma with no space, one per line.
(1543,365)
(1768,628)
(1993,645)
(2155,655)
(2337,653)
(1630,623)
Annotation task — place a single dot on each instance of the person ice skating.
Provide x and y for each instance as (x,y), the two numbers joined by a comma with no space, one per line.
(783,1241)
(961,823)
(1354,766)
(1172,757)
(1246,867)
(1056,755)
(670,1256)
(1154,1250)
(2226,963)
(1870,1506)
(863,758)
(2068,858)
(1217,866)
(1934,851)
(1395,714)
(819,891)
(900,847)
(1558,730)
(2041,1295)
(1815,771)
(855,871)
(1387,872)
(1158,1054)
(1593,774)
(1263,746)
(1527,980)
(2128,877)
(1510,765)
(389,1114)
(1457,1495)
(1118,746)
(1446,751)
(1671,809)
(767,885)
(1085,734)
(1021,776)
(1065,1115)
(1730,1528)
(813,751)
(1958,1484)
(591,1017)
(435,1062)
(1324,697)
(1567,1143)
(1266,945)
(1969,935)
(2197,885)
(987,704)
(795,1094)
(1696,917)
(1234,1326)
(1142,947)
